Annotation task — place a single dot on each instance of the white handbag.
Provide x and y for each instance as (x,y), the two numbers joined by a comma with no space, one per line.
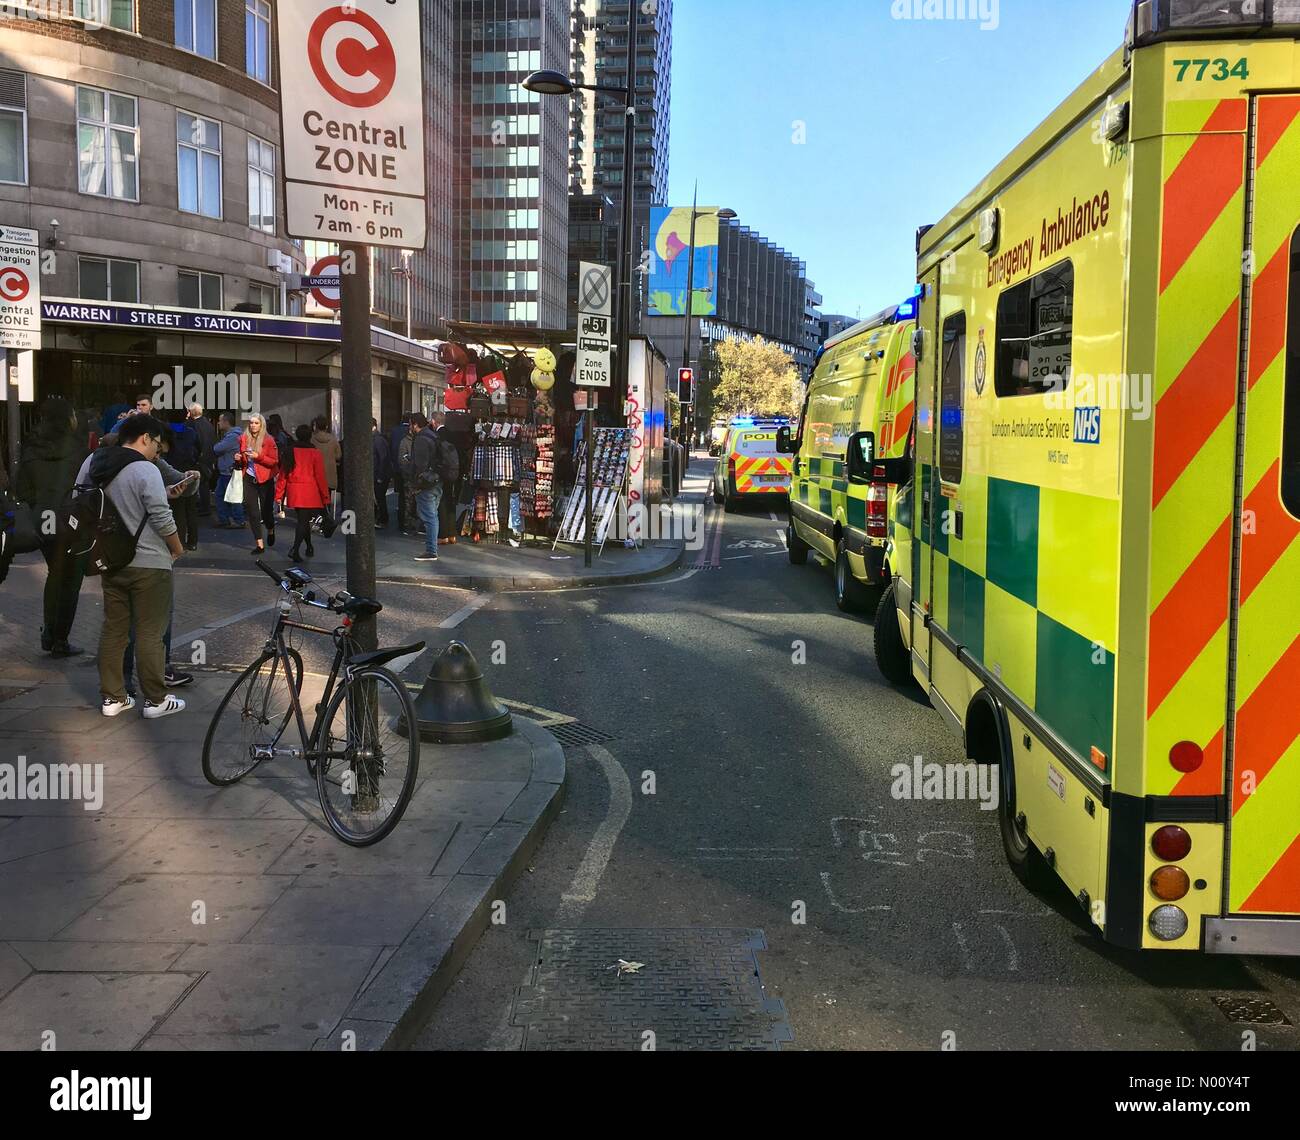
(235,488)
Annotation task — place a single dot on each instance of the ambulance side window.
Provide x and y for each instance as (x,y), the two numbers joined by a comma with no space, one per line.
(1036,334)
(1291,404)
(952,389)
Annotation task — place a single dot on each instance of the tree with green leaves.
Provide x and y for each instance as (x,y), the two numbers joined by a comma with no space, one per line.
(755,377)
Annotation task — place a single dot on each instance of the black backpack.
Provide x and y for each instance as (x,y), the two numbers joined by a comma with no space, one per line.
(447,461)
(93,527)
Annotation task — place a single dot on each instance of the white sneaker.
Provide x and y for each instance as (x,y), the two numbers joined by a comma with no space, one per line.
(168,705)
(111,707)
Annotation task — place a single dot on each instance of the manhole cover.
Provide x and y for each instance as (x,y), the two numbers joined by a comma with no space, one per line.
(1250,1011)
(696,989)
(575,734)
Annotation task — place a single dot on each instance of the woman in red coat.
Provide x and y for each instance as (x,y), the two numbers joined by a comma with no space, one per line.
(307,492)
(259,460)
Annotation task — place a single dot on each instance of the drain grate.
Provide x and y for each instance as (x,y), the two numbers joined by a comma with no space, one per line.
(1250,1011)
(575,734)
(697,988)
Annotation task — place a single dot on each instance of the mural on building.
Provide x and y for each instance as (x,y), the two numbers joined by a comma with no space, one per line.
(670,230)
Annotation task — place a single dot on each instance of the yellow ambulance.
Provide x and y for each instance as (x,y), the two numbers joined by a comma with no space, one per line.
(858,408)
(1101,587)
(749,467)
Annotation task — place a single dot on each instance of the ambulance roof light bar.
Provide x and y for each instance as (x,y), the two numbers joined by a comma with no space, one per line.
(1154,20)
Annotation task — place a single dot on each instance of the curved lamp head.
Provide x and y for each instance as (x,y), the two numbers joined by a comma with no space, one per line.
(549,83)
(727,215)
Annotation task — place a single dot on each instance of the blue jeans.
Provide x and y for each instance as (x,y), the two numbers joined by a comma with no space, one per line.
(228,512)
(426,505)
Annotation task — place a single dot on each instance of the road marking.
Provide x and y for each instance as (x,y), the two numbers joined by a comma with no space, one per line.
(465,612)
(1013,960)
(772,516)
(204,630)
(586,879)
(965,949)
(826,882)
(547,718)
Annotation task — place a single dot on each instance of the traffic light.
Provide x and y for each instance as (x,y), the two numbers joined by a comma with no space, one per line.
(686,385)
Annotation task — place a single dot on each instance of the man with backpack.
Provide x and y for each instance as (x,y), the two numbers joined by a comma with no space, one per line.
(134,548)
(435,463)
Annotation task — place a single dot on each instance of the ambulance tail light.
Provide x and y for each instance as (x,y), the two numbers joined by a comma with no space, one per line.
(878,504)
(1171,843)
(1168,922)
(1186,756)
(1169,884)
(731,467)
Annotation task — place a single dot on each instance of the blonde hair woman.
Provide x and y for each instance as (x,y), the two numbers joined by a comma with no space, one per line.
(259,460)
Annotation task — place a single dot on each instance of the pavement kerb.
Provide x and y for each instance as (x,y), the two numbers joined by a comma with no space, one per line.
(391,1011)
(538,582)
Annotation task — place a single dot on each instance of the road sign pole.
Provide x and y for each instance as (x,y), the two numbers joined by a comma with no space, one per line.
(589,435)
(358,456)
(11,401)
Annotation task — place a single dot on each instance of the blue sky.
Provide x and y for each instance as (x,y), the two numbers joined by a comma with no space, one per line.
(903,118)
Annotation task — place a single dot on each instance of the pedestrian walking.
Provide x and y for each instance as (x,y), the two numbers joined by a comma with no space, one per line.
(284,449)
(207,437)
(434,464)
(258,459)
(308,493)
(399,451)
(137,598)
(381,455)
(330,452)
(230,516)
(47,472)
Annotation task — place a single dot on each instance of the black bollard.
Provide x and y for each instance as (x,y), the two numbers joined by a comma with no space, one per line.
(456,706)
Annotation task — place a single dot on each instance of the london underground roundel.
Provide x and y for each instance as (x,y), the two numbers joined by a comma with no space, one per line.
(14,285)
(352,57)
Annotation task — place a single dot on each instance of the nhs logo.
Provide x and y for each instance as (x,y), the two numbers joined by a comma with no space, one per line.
(1087,425)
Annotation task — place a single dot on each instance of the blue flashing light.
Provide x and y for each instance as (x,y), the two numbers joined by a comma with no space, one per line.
(906,311)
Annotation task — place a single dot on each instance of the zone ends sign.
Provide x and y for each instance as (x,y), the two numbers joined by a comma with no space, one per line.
(351,108)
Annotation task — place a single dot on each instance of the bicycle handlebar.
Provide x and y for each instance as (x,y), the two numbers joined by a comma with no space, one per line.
(309,596)
(274,575)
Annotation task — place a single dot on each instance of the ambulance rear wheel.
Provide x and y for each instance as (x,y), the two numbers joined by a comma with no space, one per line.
(892,656)
(730,503)
(717,493)
(796,546)
(851,596)
(1026,861)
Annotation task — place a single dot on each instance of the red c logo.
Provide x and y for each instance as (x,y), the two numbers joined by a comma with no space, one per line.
(13,284)
(352,57)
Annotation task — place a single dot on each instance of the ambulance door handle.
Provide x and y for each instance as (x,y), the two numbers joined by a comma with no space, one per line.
(957,524)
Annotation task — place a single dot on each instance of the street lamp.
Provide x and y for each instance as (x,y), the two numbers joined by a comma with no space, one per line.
(557,83)
(404,270)
(722,215)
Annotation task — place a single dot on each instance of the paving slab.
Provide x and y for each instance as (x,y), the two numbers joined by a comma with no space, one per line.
(347,910)
(35,905)
(228,846)
(415,846)
(83,957)
(79,843)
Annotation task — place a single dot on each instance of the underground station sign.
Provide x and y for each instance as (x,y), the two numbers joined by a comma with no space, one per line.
(352,103)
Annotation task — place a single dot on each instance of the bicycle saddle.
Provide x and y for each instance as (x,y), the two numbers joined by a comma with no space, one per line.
(383,656)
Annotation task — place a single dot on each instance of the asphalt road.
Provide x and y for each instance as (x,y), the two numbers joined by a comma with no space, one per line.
(771,801)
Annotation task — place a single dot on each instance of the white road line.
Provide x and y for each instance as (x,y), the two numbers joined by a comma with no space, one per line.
(772,516)
(212,627)
(465,612)
(826,882)
(965,949)
(586,880)
(1013,960)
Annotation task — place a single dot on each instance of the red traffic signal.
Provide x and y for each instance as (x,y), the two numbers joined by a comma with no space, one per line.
(686,385)
(685,375)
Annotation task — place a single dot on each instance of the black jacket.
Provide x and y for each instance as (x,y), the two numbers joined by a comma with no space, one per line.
(202,427)
(47,470)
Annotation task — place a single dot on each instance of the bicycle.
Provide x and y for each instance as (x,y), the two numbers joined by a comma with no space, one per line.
(364,745)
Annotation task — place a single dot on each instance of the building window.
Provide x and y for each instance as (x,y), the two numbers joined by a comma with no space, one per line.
(198,165)
(1291,400)
(257,39)
(196,26)
(952,396)
(198,290)
(107,144)
(265,297)
(1036,334)
(13,127)
(261,184)
(118,14)
(108,279)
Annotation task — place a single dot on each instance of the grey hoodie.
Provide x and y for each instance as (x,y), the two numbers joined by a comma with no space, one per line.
(135,488)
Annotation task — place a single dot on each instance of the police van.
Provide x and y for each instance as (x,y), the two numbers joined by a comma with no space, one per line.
(1097,525)
(749,467)
(857,408)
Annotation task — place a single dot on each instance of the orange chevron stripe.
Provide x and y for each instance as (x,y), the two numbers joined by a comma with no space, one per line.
(1207,780)
(1276,114)
(1190,614)
(1274,531)
(1280,888)
(1268,312)
(904,368)
(1195,403)
(1262,735)
(1201,186)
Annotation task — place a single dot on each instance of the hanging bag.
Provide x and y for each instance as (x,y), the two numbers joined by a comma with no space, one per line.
(235,488)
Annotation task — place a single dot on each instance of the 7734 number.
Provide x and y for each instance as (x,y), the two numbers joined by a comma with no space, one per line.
(1222,71)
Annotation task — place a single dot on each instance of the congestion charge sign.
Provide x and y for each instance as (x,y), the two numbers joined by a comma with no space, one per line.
(352,109)
(20,290)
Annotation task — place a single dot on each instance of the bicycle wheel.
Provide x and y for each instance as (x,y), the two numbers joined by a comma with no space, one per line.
(253,714)
(367,769)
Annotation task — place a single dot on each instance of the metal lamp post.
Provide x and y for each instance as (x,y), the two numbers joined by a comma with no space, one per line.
(405,271)
(557,83)
(724,215)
